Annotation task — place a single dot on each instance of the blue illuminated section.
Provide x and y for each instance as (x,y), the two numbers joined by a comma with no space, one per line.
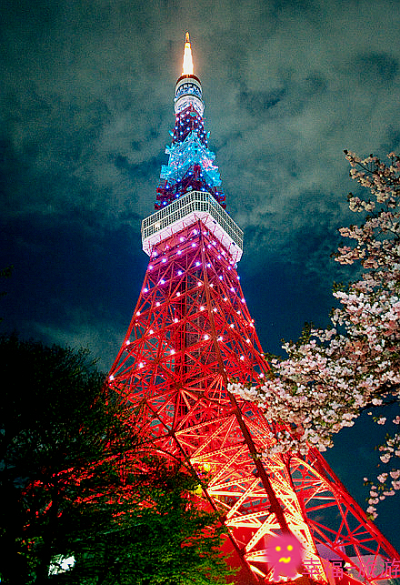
(183,156)
(191,164)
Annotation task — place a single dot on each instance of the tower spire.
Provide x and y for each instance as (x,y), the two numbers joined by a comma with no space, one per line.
(191,164)
(187,58)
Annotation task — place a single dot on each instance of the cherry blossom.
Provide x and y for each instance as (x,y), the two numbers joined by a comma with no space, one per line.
(332,375)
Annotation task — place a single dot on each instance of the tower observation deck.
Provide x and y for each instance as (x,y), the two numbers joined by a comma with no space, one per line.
(189,209)
(192,333)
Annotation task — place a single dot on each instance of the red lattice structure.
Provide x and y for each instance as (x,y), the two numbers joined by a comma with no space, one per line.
(191,333)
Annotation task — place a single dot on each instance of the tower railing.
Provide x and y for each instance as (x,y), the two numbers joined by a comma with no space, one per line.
(189,208)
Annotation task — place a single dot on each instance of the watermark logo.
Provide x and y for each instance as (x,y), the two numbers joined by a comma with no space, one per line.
(383,569)
(284,555)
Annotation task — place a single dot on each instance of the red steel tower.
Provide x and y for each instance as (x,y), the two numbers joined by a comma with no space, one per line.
(191,333)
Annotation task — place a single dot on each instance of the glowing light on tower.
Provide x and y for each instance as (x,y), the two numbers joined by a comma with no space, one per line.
(187,58)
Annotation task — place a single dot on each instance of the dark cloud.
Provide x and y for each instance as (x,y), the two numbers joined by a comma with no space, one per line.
(258,102)
(288,100)
(376,68)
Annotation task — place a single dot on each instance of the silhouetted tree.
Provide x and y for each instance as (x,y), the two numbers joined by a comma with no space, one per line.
(73,483)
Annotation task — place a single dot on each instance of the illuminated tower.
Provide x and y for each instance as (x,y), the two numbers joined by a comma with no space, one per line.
(191,333)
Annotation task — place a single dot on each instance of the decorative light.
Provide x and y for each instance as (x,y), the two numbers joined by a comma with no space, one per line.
(172,352)
(206,336)
(111,378)
(137,313)
(157,303)
(202,308)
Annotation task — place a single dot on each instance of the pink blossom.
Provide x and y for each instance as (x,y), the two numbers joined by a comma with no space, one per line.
(332,375)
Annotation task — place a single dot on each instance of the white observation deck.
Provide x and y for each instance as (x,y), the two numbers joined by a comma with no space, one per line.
(187,210)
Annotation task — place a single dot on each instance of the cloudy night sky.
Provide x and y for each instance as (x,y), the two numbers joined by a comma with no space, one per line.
(86,105)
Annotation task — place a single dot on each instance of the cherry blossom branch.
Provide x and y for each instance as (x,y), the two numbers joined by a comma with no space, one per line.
(331,376)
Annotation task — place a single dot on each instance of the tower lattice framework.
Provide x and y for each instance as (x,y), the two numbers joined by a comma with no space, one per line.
(191,333)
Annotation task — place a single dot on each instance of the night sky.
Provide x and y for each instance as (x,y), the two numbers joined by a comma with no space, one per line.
(86,105)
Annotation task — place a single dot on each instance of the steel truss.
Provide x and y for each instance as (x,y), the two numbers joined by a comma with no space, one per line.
(190,334)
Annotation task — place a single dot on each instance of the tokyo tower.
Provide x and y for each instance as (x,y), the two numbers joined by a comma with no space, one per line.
(191,333)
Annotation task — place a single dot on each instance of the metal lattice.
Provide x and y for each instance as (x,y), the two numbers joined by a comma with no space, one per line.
(190,334)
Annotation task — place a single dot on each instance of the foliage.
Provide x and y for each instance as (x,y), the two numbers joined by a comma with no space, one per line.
(73,482)
(49,433)
(169,541)
(332,375)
